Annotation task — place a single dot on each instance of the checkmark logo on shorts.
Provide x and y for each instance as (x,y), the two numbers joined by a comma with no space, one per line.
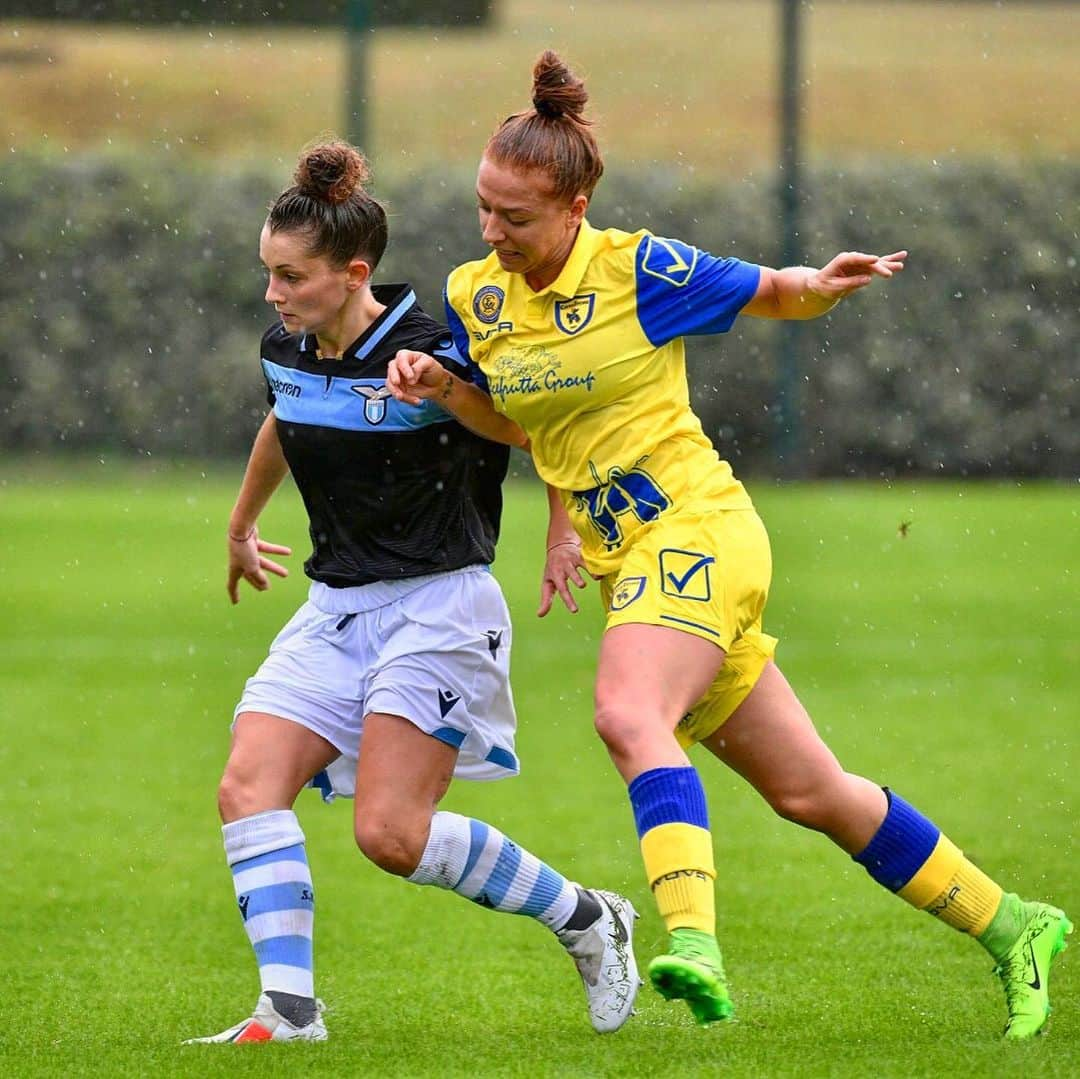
(685,574)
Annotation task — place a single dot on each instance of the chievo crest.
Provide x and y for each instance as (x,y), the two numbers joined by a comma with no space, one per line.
(374,402)
(572,316)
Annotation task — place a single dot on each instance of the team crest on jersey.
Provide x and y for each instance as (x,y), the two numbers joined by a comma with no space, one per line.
(375,398)
(572,316)
(670,260)
(487,303)
(626,591)
(685,574)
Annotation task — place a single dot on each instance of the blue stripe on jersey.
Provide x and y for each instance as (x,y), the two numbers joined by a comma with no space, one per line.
(293,895)
(900,847)
(388,321)
(545,891)
(461,340)
(345,404)
(285,952)
(682,290)
(478,833)
(502,874)
(295,853)
(668,796)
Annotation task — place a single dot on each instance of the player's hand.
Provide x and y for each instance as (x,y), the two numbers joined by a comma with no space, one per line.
(413,377)
(562,565)
(852,270)
(246,560)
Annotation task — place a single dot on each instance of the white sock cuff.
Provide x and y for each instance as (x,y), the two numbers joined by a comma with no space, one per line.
(261,833)
(446,852)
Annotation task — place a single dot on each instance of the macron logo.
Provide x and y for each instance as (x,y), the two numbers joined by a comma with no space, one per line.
(447,699)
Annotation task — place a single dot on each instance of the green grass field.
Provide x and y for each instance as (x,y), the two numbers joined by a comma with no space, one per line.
(691,85)
(944,663)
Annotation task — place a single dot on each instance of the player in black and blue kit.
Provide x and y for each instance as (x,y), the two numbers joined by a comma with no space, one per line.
(393,676)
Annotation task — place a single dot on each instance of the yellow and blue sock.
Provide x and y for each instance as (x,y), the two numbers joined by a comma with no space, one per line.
(912,858)
(672,821)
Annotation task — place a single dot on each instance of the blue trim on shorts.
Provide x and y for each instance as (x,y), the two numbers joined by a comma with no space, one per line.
(450,735)
(687,622)
(502,757)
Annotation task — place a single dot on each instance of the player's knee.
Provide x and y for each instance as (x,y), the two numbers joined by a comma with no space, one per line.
(624,725)
(804,806)
(391,848)
(614,725)
(235,797)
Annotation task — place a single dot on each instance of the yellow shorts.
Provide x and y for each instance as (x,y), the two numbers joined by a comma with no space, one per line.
(706,573)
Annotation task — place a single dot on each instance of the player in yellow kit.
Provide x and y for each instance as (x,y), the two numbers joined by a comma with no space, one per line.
(572,337)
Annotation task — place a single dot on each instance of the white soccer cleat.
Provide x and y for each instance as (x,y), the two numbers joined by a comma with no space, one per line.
(604,956)
(266,1025)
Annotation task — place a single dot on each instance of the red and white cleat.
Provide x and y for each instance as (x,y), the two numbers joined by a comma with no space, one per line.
(266,1025)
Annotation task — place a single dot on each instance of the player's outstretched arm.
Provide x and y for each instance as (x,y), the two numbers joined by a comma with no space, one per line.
(800,292)
(266,468)
(413,377)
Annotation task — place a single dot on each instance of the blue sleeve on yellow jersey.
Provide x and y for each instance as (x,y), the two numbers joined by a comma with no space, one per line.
(682,290)
(461,341)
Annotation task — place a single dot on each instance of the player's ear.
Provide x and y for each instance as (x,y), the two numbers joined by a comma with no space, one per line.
(358,274)
(578,206)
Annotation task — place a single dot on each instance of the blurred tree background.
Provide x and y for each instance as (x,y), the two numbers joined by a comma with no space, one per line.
(141,158)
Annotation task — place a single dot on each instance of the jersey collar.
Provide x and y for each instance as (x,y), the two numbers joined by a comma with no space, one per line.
(399,301)
(569,279)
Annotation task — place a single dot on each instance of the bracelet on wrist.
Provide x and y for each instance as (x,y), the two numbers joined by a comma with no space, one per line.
(241,539)
(565,543)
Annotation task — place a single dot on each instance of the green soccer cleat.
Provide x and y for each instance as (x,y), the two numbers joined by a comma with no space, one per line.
(1025,971)
(693,971)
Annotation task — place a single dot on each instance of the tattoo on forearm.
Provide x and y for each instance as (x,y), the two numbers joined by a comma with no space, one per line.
(448,387)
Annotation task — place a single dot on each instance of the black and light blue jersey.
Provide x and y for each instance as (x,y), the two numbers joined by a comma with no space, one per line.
(391,490)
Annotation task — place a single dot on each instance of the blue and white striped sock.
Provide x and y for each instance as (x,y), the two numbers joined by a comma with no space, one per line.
(273,889)
(478,862)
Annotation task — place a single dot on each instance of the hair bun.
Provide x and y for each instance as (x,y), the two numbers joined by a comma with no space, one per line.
(556,91)
(331,172)
(549,109)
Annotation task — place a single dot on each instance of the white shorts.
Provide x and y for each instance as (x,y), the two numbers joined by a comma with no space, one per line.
(434,650)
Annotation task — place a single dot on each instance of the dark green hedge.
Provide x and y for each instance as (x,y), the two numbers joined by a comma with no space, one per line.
(131,306)
(238,13)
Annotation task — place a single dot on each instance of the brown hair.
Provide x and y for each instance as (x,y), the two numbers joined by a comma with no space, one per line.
(553,136)
(327,200)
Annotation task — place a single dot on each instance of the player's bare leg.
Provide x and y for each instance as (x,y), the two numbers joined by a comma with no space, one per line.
(402,775)
(771,741)
(648,678)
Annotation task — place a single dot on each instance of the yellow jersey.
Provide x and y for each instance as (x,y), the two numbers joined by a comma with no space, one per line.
(592,367)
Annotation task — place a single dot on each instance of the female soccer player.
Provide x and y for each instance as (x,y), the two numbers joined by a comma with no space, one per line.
(578,334)
(394,675)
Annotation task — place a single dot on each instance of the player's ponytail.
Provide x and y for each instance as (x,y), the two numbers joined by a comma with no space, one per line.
(327,200)
(553,136)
